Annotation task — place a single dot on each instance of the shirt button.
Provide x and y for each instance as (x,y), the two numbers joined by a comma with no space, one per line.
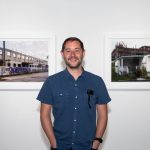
(75,85)
(75,108)
(74,120)
(72,143)
(74,131)
(76,97)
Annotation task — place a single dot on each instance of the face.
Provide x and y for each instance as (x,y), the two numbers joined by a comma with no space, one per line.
(73,54)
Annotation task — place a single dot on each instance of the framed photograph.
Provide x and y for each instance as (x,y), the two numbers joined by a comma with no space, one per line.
(26,61)
(127,61)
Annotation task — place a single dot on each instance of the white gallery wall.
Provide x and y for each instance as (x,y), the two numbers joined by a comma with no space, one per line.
(129,110)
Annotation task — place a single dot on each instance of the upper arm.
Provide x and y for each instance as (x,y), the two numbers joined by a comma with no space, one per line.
(102,110)
(102,94)
(45,109)
(46,93)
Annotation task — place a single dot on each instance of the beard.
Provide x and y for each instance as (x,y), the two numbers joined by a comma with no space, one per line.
(73,66)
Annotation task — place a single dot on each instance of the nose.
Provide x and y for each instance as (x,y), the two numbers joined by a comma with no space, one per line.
(72,53)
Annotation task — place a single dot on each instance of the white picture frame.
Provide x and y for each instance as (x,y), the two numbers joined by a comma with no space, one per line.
(49,39)
(129,41)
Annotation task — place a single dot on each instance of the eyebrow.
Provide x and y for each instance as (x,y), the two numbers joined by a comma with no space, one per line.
(74,48)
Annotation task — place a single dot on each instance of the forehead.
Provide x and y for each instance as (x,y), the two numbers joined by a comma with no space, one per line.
(73,44)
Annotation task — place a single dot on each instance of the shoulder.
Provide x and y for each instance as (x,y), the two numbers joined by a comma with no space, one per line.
(94,79)
(55,77)
(92,76)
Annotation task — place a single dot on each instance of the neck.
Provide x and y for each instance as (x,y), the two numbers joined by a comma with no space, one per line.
(75,72)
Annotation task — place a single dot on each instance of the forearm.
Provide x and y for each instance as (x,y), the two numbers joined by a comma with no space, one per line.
(46,123)
(48,129)
(101,125)
(102,117)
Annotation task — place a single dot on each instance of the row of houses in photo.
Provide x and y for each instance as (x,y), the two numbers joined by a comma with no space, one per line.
(12,59)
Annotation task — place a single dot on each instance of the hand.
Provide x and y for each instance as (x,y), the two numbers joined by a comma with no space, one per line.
(95,145)
(53,145)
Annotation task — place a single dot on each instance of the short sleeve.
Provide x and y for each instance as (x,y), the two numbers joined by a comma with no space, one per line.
(102,96)
(45,95)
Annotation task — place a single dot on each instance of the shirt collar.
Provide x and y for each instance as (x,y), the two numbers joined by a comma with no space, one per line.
(67,74)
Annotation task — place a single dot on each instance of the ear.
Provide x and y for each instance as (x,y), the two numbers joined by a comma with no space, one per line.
(62,54)
(83,53)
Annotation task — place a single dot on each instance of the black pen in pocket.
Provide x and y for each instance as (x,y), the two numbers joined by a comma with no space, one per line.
(89,92)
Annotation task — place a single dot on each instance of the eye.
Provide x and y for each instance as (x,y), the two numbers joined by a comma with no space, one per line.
(77,50)
(67,50)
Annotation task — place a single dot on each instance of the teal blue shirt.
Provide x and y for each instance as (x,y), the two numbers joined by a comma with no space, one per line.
(74,108)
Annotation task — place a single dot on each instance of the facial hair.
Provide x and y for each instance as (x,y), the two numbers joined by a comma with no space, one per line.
(77,65)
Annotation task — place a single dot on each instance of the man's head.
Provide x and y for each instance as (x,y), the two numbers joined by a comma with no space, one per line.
(71,39)
(73,52)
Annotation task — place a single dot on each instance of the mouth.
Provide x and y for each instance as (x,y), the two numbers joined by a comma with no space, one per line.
(73,59)
(73,62)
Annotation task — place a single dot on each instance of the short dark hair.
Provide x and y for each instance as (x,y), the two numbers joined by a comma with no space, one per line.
(71,39)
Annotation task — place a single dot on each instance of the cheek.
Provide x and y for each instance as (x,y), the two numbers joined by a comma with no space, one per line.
(80,56)
(65,55)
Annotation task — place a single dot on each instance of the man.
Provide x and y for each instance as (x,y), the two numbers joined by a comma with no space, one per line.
(74,95)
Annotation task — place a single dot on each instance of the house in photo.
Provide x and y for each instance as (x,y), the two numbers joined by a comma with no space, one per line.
(128,60)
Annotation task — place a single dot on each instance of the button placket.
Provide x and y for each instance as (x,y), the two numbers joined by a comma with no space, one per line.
(75,112)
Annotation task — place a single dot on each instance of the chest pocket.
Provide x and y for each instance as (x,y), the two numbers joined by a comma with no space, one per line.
(90,100)
(61,99)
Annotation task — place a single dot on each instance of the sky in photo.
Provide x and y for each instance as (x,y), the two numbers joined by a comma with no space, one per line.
(38,49)
(131,43)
